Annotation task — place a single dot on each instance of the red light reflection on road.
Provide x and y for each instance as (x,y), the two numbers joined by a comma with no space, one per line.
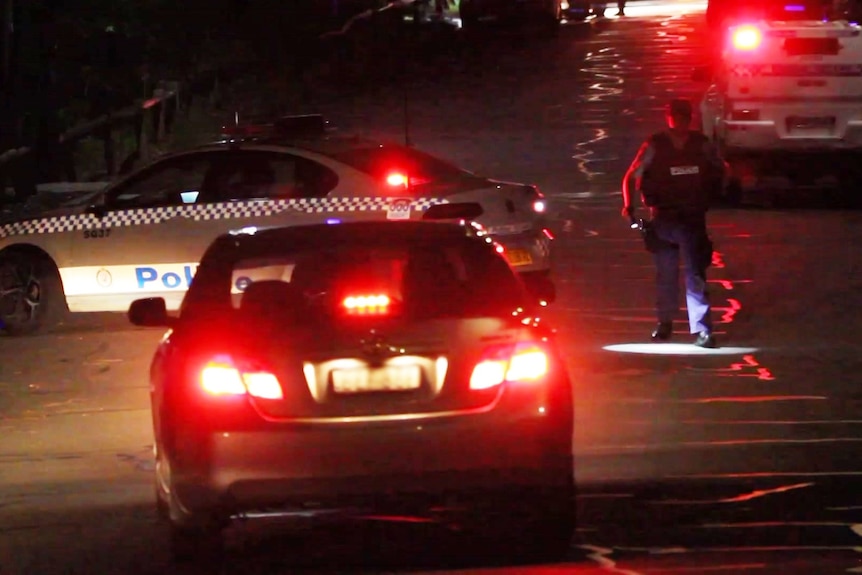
(728,284)
(742,497)
(728,311)
(748,367)
(763,492)
(756,398)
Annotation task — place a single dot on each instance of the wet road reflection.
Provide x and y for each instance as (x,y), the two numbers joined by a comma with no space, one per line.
(733,459)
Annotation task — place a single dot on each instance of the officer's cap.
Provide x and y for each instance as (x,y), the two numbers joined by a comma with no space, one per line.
(679,107)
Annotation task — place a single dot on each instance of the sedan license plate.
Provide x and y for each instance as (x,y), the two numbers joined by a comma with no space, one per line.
(391,378)
(519,257)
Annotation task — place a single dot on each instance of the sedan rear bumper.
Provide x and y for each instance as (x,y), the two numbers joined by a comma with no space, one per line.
(302,468)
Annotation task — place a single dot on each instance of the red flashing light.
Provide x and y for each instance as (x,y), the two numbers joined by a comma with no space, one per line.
(401,180)
(747,37)
(377,304)
(221,377)
(396,179)
(524,362)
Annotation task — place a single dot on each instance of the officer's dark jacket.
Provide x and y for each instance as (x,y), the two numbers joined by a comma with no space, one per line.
(678,180)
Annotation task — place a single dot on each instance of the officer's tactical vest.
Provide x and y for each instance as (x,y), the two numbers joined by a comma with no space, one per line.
(676,181)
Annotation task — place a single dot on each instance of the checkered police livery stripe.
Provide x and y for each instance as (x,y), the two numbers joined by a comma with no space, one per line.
(223,210)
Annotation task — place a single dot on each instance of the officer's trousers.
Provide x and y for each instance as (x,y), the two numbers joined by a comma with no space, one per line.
(686,238)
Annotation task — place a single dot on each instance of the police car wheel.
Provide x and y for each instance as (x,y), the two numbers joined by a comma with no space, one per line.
(30,294)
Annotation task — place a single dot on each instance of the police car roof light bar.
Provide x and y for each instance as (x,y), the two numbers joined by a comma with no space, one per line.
(305,125)
(300,126)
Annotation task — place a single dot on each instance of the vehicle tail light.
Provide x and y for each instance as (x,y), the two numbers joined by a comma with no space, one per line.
(221,376)
(548,233)
(522,362)
(539,206)
(500,248)
(367,304)
(747,37)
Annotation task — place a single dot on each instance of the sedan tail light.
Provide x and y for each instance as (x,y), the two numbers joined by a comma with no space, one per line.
(522,362)
(221,376)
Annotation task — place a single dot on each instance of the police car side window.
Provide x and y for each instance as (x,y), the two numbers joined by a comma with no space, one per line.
(175,181)
(298,177)
(256,175)
(238,176)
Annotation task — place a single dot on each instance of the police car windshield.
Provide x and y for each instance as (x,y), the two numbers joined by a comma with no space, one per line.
(383,161)
(418,281)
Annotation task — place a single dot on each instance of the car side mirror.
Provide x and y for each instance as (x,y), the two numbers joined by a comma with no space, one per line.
(98,210)
(542,288)
(150,312)
(701,74)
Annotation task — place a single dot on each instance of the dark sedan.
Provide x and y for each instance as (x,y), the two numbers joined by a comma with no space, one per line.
(354,368)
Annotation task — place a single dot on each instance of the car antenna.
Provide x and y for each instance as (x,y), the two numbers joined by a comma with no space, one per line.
(406,118)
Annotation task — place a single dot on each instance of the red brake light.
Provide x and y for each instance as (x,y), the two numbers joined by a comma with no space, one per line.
(377,304)
(402,180)
(747,37)
(396,179)
(221,377)
(523,362)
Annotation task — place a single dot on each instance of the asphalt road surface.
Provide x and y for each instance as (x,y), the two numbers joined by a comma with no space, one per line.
(743,459)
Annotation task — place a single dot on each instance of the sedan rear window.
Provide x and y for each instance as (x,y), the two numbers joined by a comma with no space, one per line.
(414,282)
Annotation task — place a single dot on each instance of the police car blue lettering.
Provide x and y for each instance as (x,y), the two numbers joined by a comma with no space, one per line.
(146,276)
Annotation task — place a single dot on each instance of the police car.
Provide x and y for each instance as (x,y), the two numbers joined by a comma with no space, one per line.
(787,79)
(144,234)
(350,371)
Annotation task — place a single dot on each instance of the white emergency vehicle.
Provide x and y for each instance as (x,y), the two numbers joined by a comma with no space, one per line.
(145,233)
(787,86)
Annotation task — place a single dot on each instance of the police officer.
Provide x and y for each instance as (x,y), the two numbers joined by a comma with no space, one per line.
(674,171)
